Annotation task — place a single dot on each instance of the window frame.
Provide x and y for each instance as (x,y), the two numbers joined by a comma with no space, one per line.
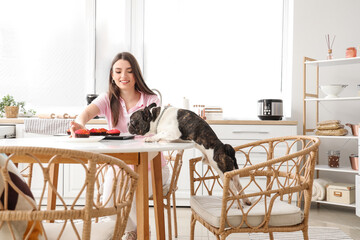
(137,47)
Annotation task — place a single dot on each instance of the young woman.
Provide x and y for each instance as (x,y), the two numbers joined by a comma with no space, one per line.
(127,93)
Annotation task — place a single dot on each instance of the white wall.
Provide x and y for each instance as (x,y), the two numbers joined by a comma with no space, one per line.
(312,20)
(112,37)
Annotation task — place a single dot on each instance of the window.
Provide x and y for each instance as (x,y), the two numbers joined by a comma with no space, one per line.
(226,53)
(45,54)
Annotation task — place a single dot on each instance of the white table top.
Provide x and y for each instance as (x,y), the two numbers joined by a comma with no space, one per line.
(103,146)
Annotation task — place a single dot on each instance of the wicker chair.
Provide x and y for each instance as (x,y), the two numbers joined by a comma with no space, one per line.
(279,187)
(174,160)
(70,220)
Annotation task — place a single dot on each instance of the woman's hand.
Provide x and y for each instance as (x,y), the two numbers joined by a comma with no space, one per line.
(75,126)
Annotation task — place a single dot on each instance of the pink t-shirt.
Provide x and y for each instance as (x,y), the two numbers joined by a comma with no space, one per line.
(103,103)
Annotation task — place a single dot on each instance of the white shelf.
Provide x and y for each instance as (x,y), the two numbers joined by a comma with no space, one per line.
(333,99)
(338,204)
(336,137)
(314,96)
(333,62)
(339,169)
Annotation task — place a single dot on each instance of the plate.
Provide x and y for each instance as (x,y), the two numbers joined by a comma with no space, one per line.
(80,140)
(119,137)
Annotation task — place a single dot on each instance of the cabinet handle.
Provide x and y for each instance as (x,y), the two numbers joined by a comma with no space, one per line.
(250,132)
(337,194)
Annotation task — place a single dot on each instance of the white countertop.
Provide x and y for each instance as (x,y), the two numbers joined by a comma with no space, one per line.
(213,122)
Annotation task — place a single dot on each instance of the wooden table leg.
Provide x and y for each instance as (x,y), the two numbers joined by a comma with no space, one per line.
(142,198)
(54,174)
(157,186)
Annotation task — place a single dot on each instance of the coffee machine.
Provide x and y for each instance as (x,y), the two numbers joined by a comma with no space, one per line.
(91,97)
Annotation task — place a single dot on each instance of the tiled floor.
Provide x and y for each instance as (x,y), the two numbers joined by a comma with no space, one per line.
(327,216)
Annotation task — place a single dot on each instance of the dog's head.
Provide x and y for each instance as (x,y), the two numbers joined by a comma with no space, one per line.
(140,120)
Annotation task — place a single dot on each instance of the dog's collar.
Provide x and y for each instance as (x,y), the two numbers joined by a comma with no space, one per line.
(161,114)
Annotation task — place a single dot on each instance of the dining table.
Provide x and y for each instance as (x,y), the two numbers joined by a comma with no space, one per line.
(135,152)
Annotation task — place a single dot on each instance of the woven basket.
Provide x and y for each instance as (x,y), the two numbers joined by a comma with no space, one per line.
(11,111)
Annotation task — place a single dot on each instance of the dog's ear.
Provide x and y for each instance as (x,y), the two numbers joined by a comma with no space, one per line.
(151,105)
(147,114)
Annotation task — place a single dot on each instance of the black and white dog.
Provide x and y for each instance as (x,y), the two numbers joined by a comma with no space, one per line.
(170,124)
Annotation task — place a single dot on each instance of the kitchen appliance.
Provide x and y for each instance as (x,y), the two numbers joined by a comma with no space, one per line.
(91,97)
(7,131)
(270,109)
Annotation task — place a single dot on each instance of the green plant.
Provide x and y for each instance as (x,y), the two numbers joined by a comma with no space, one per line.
(10,101)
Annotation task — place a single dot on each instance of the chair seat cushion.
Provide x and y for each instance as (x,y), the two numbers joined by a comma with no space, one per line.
(209,209)
(103,230)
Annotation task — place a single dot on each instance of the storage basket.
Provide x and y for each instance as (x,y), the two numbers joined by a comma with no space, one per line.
(11,111)
(341,193)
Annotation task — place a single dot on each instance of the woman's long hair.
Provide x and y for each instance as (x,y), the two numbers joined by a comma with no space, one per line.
(114,90)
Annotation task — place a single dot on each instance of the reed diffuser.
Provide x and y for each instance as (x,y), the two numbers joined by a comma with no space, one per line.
(329,45)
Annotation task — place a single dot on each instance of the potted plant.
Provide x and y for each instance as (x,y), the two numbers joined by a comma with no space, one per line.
(11,108)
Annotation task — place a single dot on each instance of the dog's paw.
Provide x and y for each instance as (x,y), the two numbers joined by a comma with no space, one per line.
(149,139)
(247,202)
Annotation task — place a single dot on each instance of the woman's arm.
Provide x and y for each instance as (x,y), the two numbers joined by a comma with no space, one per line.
(89,113)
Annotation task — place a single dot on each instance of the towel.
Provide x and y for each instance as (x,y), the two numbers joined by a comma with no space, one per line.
(47,126)
(319,189)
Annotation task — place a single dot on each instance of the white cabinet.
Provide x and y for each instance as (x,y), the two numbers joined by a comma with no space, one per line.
(357,180)
(345,107)
(234,134)
(70,174)
(68,184)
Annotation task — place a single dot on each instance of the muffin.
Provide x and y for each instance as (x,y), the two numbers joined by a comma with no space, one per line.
(68,131)
(95,132)
(103,131)
(82,133)
(113,132)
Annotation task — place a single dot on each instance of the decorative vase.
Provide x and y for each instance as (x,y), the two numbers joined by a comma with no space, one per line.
(11,111)
(329,55)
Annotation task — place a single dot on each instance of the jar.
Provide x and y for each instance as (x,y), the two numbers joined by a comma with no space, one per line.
(333,158)
(350,52)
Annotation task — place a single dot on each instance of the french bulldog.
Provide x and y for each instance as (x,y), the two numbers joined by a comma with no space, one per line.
(174,124)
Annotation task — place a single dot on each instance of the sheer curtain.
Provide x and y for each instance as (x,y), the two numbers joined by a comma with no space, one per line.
(225,53)
(46,53)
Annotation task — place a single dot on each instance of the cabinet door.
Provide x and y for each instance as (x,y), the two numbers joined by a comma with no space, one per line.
(357,197)
(74,176)
(253,132)
(37,182)
(183,192)
(236,135)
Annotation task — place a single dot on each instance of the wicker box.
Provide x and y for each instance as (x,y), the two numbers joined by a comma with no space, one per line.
(341,193)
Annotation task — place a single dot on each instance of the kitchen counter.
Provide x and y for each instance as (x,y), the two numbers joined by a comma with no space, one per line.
(213,122)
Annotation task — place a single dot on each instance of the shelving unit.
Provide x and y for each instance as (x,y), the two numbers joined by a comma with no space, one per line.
(314,97)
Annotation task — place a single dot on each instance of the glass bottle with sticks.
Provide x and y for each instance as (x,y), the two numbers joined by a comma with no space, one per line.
(329,45)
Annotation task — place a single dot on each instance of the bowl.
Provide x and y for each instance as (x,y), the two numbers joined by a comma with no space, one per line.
(332,90)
